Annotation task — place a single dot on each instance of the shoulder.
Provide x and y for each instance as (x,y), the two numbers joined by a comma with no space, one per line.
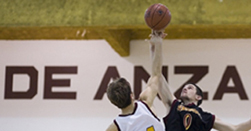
(175,102)
(204,112)
(142,104)
(172,111)
(206,116)
(112,127)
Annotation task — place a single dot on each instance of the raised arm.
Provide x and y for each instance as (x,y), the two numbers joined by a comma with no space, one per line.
(164,91)
(149,94)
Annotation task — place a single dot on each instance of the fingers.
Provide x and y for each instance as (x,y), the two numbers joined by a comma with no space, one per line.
(158,33)
(164,35)
(156,36)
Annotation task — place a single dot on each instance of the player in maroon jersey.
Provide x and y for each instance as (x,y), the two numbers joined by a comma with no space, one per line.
(185,113)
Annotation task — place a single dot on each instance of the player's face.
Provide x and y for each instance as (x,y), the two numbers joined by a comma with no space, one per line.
(188,92)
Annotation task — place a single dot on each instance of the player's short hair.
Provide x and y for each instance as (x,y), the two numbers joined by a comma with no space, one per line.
(119,93)
(200,93)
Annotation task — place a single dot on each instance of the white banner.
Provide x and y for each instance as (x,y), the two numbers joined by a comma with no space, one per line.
(60,85)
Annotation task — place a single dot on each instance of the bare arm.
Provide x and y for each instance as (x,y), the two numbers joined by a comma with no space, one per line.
(164,91)
(149,94)
(244,126)
(112,127)
(222,126)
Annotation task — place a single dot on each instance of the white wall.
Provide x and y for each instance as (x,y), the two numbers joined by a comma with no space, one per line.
(92,58)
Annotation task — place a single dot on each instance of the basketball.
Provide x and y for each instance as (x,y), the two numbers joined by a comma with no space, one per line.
(157,16)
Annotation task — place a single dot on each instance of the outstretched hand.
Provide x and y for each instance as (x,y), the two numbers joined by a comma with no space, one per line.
(158,33)
(156,36)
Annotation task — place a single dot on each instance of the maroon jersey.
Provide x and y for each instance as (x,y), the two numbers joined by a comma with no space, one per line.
(188,118)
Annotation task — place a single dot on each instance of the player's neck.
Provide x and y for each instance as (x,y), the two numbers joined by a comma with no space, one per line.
(129,109)
(187,102)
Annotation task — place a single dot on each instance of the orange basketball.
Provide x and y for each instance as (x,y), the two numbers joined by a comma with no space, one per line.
(157,16)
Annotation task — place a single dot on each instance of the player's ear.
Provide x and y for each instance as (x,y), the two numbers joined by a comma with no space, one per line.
(132,96)
(198,97)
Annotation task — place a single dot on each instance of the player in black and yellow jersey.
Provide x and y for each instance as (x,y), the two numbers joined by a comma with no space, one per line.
(185,113)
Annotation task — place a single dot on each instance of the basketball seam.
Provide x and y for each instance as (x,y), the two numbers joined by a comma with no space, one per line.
(161,18)
(150,22)
(153,15)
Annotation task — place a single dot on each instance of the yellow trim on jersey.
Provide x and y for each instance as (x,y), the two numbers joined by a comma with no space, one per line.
(183,108)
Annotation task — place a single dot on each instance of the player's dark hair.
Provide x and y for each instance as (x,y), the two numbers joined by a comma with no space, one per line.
(119,93)
(200,93)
